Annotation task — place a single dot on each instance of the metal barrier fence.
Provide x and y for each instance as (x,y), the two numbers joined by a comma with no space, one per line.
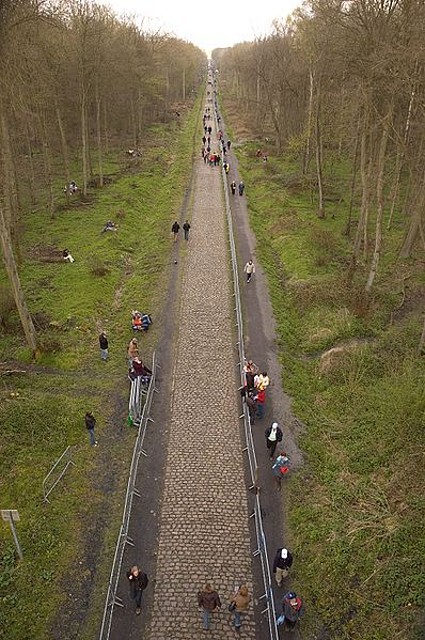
(112,598)
(261,550)
(51,480)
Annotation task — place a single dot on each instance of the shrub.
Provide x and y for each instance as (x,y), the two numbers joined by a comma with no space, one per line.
(7,305)
(97,266)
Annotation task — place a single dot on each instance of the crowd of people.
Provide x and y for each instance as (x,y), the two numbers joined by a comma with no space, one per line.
(254,394)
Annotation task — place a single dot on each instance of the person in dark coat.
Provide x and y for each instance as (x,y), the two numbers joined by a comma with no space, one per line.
(252,406)
(281,564)
(273,436)
(208,601)
(233,187)
(138,582)
(292,610)
(90,421)
(103,344)
(186,229)
(175,229)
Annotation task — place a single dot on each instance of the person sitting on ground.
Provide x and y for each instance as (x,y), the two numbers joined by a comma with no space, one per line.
(71,187)
(67,256)
(110,226)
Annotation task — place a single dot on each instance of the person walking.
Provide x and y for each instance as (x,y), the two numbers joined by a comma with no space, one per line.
(228,145)
(281,564)
(175,229)
(280,468)
(103,344)
(90,421)
(239,603)
(186,229)
(208,601)
(292,610)
(138,582)
(233,187)
(249,269)
(273,436)
(241,188)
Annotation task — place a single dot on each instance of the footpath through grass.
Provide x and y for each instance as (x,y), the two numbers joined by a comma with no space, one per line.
(42,410)
(356,509)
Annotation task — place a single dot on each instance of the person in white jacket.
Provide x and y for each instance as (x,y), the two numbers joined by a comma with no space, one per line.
(249,269)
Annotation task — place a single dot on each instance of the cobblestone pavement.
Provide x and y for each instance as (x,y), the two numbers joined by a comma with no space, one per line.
(203,532)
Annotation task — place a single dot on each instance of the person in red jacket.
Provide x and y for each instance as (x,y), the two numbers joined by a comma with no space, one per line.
(260,398)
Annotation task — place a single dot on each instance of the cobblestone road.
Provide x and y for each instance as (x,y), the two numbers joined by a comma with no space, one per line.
(204,533)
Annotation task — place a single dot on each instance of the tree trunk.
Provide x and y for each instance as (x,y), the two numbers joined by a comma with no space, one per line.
(47,164)
(12,272)
(31,173)
(347,230)
(415,225)
(379,202)
(400,159)
(64,145)
(9,182)
(84,150)
(319,155)
(309,125)
(99,137)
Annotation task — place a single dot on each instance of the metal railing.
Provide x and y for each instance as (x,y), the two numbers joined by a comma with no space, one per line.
(50,481)
(124,539)
(261,550)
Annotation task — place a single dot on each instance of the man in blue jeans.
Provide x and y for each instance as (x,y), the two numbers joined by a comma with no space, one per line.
(90,421)
(208,601)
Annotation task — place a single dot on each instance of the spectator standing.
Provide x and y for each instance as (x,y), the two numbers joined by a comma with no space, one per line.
(103,344)
(260,398)
(233,187)
(175,230)
(281,564)
(239,603)
(132,350)
(138,582)
(186,229)
(228,145)
(250,369)
(273,436)
(241,188)
(249,269)
(208,601)
(90,421)
(262,381)
(252,406)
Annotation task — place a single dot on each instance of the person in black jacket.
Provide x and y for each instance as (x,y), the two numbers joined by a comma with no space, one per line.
(175,229)
(186,229)
(273,436)
(281,565)
(103,343)
(138,582)
(90,421)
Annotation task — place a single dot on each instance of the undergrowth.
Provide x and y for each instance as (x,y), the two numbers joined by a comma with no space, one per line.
(356,507)
(42,405)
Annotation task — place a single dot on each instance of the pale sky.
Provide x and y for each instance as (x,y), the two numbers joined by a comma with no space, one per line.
(208,24)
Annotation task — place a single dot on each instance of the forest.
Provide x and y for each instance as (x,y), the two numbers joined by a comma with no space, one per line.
(327,117)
